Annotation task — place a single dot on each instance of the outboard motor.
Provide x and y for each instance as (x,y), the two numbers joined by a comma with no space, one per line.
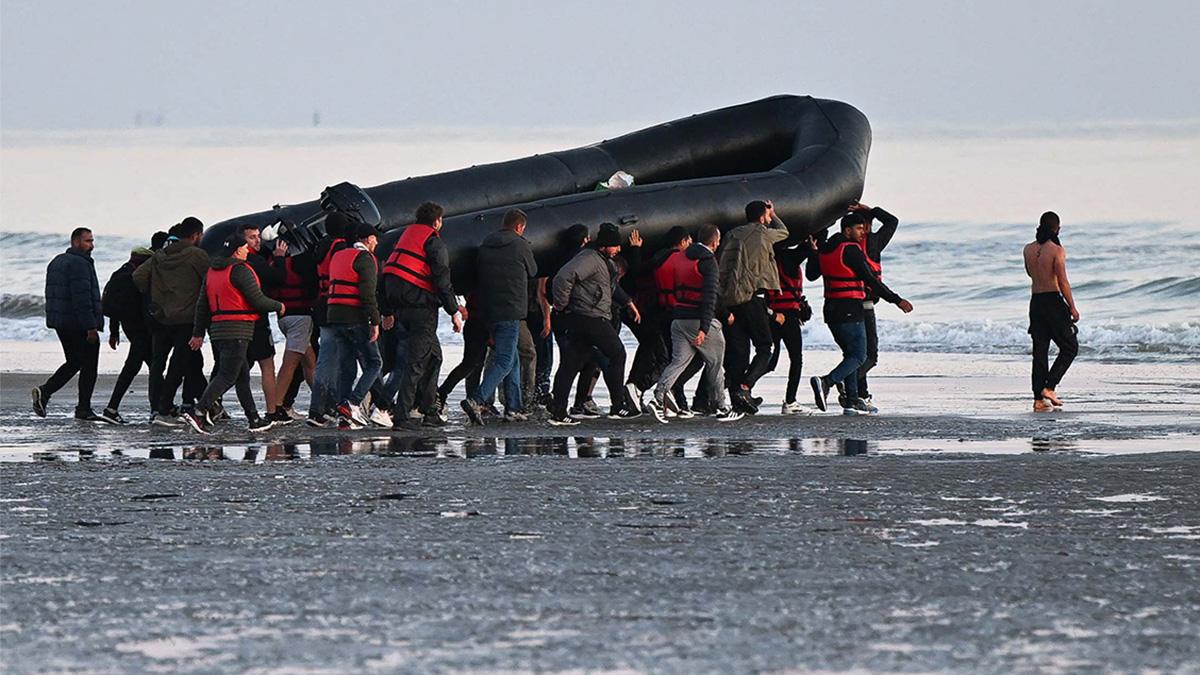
(345,198)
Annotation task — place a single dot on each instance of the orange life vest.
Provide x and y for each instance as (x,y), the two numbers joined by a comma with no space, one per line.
(664,280)
(323,267)
(876,267)
(291,292)
(687,283)
(408,260)
(790,293)
(343,278)
(840,281)
(225,301)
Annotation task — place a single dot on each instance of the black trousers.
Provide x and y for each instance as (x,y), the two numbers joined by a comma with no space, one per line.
(1050,321)
(418,380)
(233,370)
(186,367)
(872,352)
(140,352)
(790,335)
(475,347)
(583,335)
(82,357)
(751,325)
(653,351)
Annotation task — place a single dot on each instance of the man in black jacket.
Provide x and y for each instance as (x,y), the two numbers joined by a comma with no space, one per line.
(873,244)
(504,266)
(847,276)
(73,311)
(695,330)
(416,283)
(122,304)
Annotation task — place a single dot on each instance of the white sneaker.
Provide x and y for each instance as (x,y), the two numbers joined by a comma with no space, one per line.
(793,408)
(635,396)
(729,415)
(657,410)
(380,418)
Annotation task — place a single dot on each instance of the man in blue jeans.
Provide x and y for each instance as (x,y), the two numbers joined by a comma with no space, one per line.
(353,320)
(846,274)
(505,261)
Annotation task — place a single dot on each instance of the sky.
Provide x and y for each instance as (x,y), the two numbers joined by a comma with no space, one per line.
(79,64)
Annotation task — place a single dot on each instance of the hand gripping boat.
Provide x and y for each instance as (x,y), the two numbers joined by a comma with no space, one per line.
(807,155)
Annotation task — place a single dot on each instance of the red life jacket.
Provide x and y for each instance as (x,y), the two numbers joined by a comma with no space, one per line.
(840,281)
(225,301)
(323,267)
(343,278)
(876,267)
(790,293)
(408,260)
(687,283)
(664,281)
(291,293)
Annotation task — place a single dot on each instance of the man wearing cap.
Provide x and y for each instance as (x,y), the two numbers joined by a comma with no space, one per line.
(584,291)
(230,302)
(748,271)
(73,311)
(122,304)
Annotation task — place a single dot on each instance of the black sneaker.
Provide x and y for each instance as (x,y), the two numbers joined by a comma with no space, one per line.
(198,422)
(625,412)
(317,421)
(407,424)
(260,424)
(165,420)
(218,413)
(561,419)
(586,411)
(39,402)
(112,416)
(89,416)
(820,392)
(474,410)
(741,402)
(432,421)
(279,417)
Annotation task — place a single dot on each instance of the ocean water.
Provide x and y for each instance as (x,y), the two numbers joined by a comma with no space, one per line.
(967,200)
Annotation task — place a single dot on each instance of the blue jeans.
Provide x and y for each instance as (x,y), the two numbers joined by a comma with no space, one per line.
(391,384)
(852,338)
(355,347)
(505,368)
(327,375)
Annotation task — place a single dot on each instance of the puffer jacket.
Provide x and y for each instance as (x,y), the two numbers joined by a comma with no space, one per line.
(73,292)
(747,261)
(505,263)
(172,279)
(584,286)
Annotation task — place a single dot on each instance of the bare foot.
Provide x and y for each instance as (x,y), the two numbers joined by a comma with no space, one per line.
(1052,397)
(1041,405)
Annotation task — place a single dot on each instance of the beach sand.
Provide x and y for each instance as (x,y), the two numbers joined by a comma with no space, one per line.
(957,530)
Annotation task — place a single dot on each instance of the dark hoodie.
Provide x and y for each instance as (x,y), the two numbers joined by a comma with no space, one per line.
(504,265)
(244,280)
(712,285)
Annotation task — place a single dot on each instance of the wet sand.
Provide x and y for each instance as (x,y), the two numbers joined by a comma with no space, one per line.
(925,540)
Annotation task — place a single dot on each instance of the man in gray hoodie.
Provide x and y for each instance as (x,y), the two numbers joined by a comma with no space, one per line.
(504,265)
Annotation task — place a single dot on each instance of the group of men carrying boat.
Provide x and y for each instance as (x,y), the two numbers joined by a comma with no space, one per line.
(363,335)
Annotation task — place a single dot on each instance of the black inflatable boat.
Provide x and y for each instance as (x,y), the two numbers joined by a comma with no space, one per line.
(807,155)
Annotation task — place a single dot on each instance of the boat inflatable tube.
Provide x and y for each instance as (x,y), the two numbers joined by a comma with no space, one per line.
(807,155)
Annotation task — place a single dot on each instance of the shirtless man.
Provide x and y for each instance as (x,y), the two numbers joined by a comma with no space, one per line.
(1052,312)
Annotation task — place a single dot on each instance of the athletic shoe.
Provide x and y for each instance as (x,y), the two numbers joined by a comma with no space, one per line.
(318,421)
(218,414)
(515,416)
(740,401)
(1042,405)
(352,412)
(164,420)
(635,396)
(279,417)
(89,416)
(792,408)
(625,412)
(474,410)
(820,392)
(492,411)
(845,401)
(852,411)
(657,410)
(112,416)
(197,422)
(260,424)
(381,418)
(679,407)
(290,412)
(588,410)
(729,415)
(39,402)
(432,421)
(561,419)
(756,400)
(443,409)
(407,424)
(864,408)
